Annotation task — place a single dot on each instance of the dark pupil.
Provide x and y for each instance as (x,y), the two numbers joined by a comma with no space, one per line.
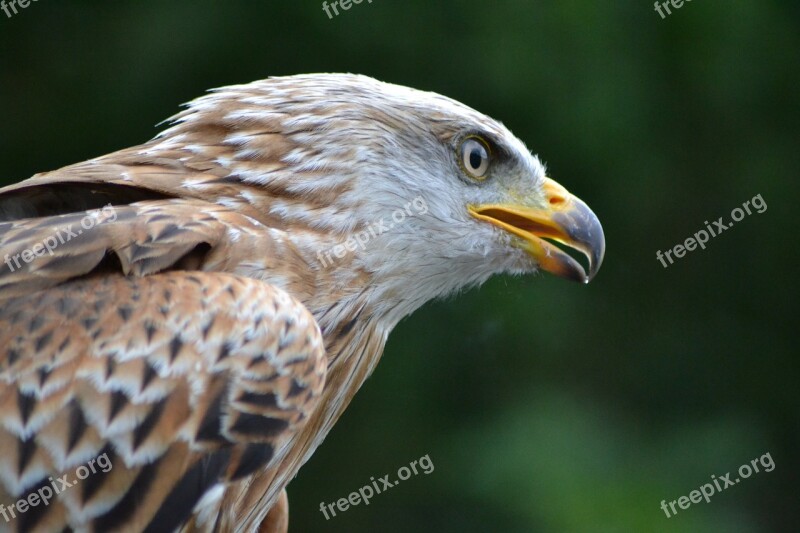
(475,158)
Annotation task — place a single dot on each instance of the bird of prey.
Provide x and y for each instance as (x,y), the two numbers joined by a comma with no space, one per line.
(193,314)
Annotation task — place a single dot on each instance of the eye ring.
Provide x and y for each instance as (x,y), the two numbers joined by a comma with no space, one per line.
(474,157)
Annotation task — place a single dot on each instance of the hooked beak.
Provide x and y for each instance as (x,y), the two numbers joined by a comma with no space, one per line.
(565,219)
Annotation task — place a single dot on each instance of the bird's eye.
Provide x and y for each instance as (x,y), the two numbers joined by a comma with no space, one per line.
(475,157)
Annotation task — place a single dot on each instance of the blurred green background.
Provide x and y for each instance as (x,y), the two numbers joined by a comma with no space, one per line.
(544,405)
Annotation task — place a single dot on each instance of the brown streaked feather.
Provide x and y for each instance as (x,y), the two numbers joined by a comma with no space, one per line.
(201,395)
(139,239)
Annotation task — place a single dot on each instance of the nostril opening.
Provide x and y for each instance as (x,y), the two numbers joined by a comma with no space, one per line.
(556,200)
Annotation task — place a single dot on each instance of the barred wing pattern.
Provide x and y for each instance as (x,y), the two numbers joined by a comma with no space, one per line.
(185,381)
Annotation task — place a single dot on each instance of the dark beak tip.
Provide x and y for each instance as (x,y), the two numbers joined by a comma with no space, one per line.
(598,247)
(585,230)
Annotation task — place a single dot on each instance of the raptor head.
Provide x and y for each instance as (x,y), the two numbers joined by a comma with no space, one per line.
(422,193)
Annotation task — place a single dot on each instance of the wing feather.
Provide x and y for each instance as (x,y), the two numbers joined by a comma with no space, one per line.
(183,381)
(139,239)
